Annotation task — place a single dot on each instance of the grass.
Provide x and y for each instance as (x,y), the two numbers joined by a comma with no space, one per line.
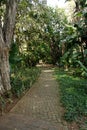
(73,95)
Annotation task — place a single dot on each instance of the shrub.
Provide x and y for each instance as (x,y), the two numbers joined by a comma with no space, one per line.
(23,79)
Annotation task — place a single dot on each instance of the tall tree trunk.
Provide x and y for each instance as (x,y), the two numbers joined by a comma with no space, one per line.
(6,33)
(4,66)
(4,70)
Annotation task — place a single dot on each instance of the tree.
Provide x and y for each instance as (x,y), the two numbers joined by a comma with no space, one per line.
(73,38)
(6,34)
(53,20)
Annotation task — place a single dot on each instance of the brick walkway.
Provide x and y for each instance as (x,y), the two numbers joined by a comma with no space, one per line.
(39,109)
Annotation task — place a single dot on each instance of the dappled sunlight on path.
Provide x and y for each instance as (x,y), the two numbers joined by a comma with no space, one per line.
(39,109)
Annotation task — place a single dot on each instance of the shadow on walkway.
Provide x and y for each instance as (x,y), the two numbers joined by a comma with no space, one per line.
(39,109)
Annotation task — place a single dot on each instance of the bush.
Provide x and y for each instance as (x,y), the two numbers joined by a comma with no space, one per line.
(23,79)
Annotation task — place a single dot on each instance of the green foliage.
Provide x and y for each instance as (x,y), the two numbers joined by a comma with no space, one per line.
(73,95)
(82,69)
(2,9)
(14,53)
(2,1)
(22,79)
(15,58)
(38,32)
(73,38)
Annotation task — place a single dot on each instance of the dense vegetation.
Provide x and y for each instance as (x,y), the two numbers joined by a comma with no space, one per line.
(74,40)
(22,79)
(73,84)
(44,33)
(73,91)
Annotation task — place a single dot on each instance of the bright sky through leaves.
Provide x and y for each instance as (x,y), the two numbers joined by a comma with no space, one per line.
(54,3)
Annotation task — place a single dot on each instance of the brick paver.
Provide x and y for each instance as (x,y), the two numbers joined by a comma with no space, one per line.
(39,109)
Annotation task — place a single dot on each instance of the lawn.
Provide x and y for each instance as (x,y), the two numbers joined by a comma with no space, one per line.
(73,92)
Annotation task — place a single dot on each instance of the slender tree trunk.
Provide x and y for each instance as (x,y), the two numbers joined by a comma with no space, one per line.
(6,33)
(63,49)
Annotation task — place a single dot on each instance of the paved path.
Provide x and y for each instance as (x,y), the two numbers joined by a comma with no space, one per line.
(39,109)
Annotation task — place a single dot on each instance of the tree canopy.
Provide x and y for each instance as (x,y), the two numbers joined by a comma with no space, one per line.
(30,32)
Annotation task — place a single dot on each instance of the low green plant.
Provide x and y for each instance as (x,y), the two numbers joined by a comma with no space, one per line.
(83,69)
(73,95)
(23,79)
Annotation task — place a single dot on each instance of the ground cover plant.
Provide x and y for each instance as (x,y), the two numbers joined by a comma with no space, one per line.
(73,91)
(21,81)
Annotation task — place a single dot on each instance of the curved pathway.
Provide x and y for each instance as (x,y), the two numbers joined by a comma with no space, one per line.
(39,109)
